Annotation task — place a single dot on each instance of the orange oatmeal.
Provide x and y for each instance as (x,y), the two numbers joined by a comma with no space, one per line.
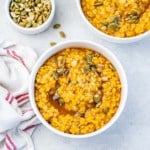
(77,90)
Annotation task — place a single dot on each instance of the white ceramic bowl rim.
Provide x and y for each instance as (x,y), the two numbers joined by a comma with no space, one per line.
(31,29)
(85,44)
(106,36)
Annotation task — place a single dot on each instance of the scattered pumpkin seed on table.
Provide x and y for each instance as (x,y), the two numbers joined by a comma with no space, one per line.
(53,43)
(30,13)
(56,26)
(62,34)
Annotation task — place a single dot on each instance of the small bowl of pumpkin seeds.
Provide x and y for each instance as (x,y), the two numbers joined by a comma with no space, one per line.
(30,16)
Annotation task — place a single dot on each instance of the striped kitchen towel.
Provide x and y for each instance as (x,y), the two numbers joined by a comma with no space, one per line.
(17,119)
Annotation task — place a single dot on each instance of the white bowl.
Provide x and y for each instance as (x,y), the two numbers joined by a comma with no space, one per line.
(35,30)
(109,37)
(84,44)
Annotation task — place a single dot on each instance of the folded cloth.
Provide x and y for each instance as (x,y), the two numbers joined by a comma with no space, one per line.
(17,119)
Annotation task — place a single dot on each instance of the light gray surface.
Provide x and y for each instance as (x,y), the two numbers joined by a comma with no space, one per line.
(132,130)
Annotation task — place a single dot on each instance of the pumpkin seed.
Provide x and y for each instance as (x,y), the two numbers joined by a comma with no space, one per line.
(112,26)
(53,43)
(61,63)
(113,23)
(56,26)
(99,104)
(23,24)
(60,71)
(28,25)
(55,74)
(23,1)
(97,98)
(87,69)
(61,101)
(112,67)
(89,59)
(105,110)
(62,34)
(37,1)
(133,17)
(30,10)
(98,3)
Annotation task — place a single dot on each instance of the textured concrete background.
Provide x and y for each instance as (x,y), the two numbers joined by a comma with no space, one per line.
(132,130)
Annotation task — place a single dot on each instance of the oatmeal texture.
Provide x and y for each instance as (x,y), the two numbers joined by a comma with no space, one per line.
(120,18)
(77,90)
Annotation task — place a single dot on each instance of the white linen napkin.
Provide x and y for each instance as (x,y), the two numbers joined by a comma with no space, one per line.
(17,119)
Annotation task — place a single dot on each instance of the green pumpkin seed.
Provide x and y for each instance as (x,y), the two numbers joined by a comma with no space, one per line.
(87,69)
(61,101)
(23,24)
(105,110)
(23,1)
(61,63)
(97,98)
(30,10)
(112,26)
(28,25)
(55,74)
(98,3)
(56,26)
(112,67)
(53,43)
(89,59)
(134,17)
(62,34)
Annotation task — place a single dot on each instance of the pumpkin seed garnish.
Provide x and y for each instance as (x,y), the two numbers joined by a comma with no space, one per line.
(87,69)
(133,17)
(89,59)
(105,110)
(56,26)
(112,67)
(62,34)
(114,23)
(98,3)
(99,104)
(113,26)
(59,72)
(55,74)
(61,101)
(97,98)
(61,63)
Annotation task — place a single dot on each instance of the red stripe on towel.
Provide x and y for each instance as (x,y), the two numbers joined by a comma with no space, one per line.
(11,100)
(27,110)
(18,96)
(29,127)
(15,56)
(7,97)
(20,58)
(7,146)
(23,99)
(11,142)
(8,53)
